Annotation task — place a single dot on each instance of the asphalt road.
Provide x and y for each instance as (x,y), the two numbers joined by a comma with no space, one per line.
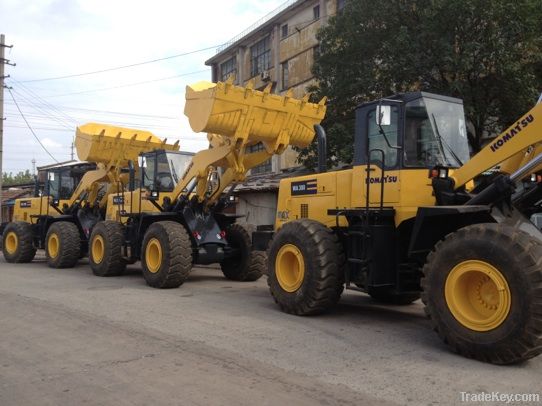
(70,338)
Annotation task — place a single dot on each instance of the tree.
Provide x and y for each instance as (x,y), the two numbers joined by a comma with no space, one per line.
(23,177)
(486,52)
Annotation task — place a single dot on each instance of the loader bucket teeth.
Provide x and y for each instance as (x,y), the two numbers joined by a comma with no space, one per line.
(249,115)
(105,143)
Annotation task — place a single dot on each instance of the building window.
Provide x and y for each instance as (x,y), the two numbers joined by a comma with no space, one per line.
(316,12)
(340,4)
(284,31)
(262,168)
(260,54)
(285,72)
(228,68)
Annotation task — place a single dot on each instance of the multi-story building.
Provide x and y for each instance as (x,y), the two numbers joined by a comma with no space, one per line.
(279,49)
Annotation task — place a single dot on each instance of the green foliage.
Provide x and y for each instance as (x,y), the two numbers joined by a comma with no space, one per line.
(8,179)
(486,52)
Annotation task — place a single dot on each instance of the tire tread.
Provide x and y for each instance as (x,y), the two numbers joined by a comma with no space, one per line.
(69,245)
(26,249)
(526,250)
(326,281)
(113,263)
(179,255)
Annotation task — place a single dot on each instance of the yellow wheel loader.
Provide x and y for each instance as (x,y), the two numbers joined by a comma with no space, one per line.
(406,221)
(54,187)
(176,219)
(61,220)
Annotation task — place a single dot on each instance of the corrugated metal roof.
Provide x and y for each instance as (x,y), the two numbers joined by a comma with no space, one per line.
(268,182)
(15,193)
(59,164)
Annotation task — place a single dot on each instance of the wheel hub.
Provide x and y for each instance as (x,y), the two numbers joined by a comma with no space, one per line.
(290,268)
(53,245)
(153,255)
(98,249)
(11,242)
(478,295)
(487,293)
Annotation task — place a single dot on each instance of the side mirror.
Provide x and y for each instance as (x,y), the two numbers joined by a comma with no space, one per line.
(383,115)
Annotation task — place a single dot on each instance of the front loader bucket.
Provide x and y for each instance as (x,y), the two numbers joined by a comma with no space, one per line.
(105,143)
(250,116)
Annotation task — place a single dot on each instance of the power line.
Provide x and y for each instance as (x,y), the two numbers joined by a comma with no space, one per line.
(37,108)
(127,84)
(32,115)
(130,121)
(121,67)
(29,127)
(42,101)
(117,113)
(148,128)
(125,120)
(143,122)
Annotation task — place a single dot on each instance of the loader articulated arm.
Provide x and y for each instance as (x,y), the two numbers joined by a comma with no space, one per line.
(511,148)
(112,148)
(237,117)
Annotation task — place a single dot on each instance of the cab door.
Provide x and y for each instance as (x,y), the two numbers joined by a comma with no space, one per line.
(383,152)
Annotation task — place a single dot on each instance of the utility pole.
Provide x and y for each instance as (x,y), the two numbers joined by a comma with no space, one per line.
(3,61)
(33,166)
(72,154)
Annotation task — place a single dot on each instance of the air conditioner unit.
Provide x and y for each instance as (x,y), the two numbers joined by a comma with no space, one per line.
(265,76)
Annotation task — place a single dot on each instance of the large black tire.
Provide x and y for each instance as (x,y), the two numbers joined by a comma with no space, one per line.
(249,265)
(482,290)
(166,255)
(305,262)
(388,296)
(17,243)
(105,249)
(62,245)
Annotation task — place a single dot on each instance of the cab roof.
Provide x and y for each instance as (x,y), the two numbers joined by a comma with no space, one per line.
(409,96)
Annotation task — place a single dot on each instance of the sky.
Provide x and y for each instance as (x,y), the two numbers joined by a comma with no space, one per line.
(53,38)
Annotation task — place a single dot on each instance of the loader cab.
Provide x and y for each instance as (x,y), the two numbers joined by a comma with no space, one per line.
(60,182)
(161,170)
(411,131)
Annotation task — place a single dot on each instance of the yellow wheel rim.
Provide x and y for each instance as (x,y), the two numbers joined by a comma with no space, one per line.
(290,268)
(12,242)
(53,245)
(153,255)
(478,295)
(98,249)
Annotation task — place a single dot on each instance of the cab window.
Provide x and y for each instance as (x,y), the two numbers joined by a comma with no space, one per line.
(157,173)
(377,140)
(66,184)
(53,184)
(421,146)
(164,180)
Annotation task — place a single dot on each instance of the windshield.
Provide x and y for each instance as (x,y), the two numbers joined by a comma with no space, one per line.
(435,133)
(61,184)
(178,162)
(167,172)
